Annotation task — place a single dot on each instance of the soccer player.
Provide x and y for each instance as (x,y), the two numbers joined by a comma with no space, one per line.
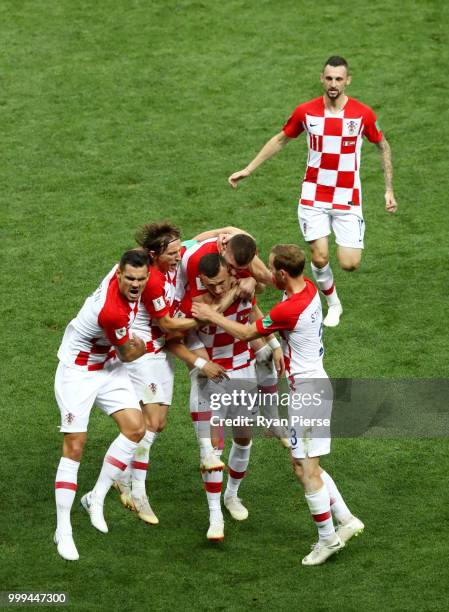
(298,318)
(239,252)
(238,358)
(331,197)
(153,374)
(89,373)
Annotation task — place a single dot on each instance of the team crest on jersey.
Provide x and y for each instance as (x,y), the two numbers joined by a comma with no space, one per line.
(69,418)
(352,127)
(120,333)
(159,303)
(153,387)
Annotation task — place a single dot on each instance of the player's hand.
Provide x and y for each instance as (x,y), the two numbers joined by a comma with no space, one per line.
(202,312)
(136,343)
(214,372)
(390,202)
(223,240)
(279,363)
(246,288)
(237,176)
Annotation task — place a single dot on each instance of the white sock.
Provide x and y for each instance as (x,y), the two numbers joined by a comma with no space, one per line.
(319,506)
(237,463)
(140,462)
(339,509)
(117,458)
(213,482)
(65,491)
(325,281)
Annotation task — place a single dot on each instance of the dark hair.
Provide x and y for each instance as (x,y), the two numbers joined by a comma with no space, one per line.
(288,257)
(210,264)
(157,236)
(134,258)
(243,248)
(336,60)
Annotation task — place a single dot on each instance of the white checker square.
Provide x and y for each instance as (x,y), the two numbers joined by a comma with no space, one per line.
(346,163)
(327,177)
(342,195)
(308,191)
(332,144)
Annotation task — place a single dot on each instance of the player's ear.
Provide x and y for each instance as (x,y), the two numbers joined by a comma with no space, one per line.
(349,79)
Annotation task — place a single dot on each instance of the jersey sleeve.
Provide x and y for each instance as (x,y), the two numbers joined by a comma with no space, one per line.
(295,123)
(276,320)
(114,327)
(371,126)
(196,287)
(153,297)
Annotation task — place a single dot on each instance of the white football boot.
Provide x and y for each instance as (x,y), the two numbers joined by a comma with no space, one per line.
(322,550)
(351,528)
(124,490)
(235,507)
(334,312)
(66,546)
(144,510)
(211,463)
(95,511)
(215,533)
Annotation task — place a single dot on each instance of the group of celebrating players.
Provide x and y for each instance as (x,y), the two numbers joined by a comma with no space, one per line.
(195,300)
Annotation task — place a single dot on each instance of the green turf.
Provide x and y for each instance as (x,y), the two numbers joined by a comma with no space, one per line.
(119,113)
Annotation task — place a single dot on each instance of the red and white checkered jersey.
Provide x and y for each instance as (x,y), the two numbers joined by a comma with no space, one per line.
(221,347)
(299,320)
(102,323)
(332,178)
(153,305)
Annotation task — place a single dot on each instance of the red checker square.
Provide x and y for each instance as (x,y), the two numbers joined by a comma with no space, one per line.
(348,144)
(311,174)
(355,197)
(345,179)
(333,126)
(240,347)
(329,161)
(324,193)
(223,339)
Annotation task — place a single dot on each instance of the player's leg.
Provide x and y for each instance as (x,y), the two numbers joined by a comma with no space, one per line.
(155,418)
(315,225)
(348,525)
(117,399)
(308,472)
(237,466)
(269,401)
(75,392)
(349,230)
(210,447)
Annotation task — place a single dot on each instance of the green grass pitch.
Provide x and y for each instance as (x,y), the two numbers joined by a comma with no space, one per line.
(121,112)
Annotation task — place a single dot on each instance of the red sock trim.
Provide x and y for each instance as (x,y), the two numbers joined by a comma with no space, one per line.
(201,416)
(59,484)
(213,487)
(272,389)
(319,518)
(237,475)
(138,465)
(115,462)
(329,291)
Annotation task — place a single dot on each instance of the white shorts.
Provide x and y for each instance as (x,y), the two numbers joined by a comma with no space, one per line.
(348,227)
(153,377)
(78,390)
(309,415)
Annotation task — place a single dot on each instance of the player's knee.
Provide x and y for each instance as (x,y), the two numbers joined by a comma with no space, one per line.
(350,266)
(73,448)
(134,431)
(160,425)
(320,259)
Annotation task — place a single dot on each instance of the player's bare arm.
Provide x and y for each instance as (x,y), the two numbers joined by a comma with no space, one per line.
(270,148)
(169,325)
(131,350)
(209,368)
(203,312)
(221,231)
(387,165)
(260,272)
(270,342)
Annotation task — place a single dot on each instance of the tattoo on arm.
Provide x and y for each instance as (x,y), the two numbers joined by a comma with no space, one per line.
(385,154)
